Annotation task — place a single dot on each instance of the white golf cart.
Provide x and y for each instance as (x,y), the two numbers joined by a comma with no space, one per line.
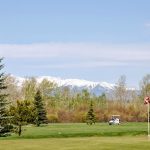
(115,120)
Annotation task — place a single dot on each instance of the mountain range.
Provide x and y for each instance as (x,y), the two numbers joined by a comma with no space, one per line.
(76,85)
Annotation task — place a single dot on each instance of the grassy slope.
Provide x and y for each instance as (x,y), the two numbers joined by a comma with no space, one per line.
(82,130)
(86,143)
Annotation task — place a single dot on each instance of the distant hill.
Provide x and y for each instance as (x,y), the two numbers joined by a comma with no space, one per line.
(77,85)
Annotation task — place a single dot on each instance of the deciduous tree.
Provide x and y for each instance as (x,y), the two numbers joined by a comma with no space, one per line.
(22,113)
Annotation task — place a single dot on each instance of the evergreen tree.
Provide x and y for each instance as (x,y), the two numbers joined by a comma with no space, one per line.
(4,118)
(90,118)
(40,112)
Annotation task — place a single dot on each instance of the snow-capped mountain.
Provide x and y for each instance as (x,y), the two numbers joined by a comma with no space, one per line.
(76,85)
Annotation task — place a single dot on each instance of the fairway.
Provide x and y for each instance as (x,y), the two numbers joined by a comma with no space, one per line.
(79,136)
(82,130)
(86,143)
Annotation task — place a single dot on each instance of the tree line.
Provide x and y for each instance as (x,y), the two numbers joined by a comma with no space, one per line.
(37,103)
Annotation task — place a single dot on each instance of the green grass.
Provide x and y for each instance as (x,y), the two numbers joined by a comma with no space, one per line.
(86,143)
(78,136)
(81,130)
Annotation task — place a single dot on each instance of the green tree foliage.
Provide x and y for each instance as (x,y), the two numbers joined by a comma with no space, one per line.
(22,113)
(29,88)
(101,101)
(13,90)
(85,95)
(120,91)
(4,118)
(46,87)
(40,112)
(145,86)
(90,118)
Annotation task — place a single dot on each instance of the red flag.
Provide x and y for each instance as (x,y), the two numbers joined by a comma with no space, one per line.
(146,100)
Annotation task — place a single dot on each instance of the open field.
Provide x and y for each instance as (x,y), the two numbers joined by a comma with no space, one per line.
(82,130)
(86,143)
(79,136)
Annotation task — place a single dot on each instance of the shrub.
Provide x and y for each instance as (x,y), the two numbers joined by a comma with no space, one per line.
(80,117)
(52,118)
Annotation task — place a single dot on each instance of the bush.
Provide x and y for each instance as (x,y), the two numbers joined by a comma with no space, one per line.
(80,117)
(52,118)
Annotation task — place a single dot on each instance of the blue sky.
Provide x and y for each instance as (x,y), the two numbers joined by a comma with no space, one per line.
(97,40)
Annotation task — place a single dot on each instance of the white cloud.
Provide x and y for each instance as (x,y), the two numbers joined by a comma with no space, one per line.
(89,54)
(87,64)
(147,24)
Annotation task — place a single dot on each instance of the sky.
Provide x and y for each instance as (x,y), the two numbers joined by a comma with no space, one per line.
(97,40)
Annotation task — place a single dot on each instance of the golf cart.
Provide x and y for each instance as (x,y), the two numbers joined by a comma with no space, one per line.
(115,120)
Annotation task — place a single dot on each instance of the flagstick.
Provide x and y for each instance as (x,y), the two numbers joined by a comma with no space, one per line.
(148,119)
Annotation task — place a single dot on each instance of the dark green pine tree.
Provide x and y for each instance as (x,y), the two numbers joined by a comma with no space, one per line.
(90,118)
(40,112)
(4,118)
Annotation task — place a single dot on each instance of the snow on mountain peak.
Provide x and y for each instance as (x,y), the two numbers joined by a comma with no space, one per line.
(71,82)
(77,84)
